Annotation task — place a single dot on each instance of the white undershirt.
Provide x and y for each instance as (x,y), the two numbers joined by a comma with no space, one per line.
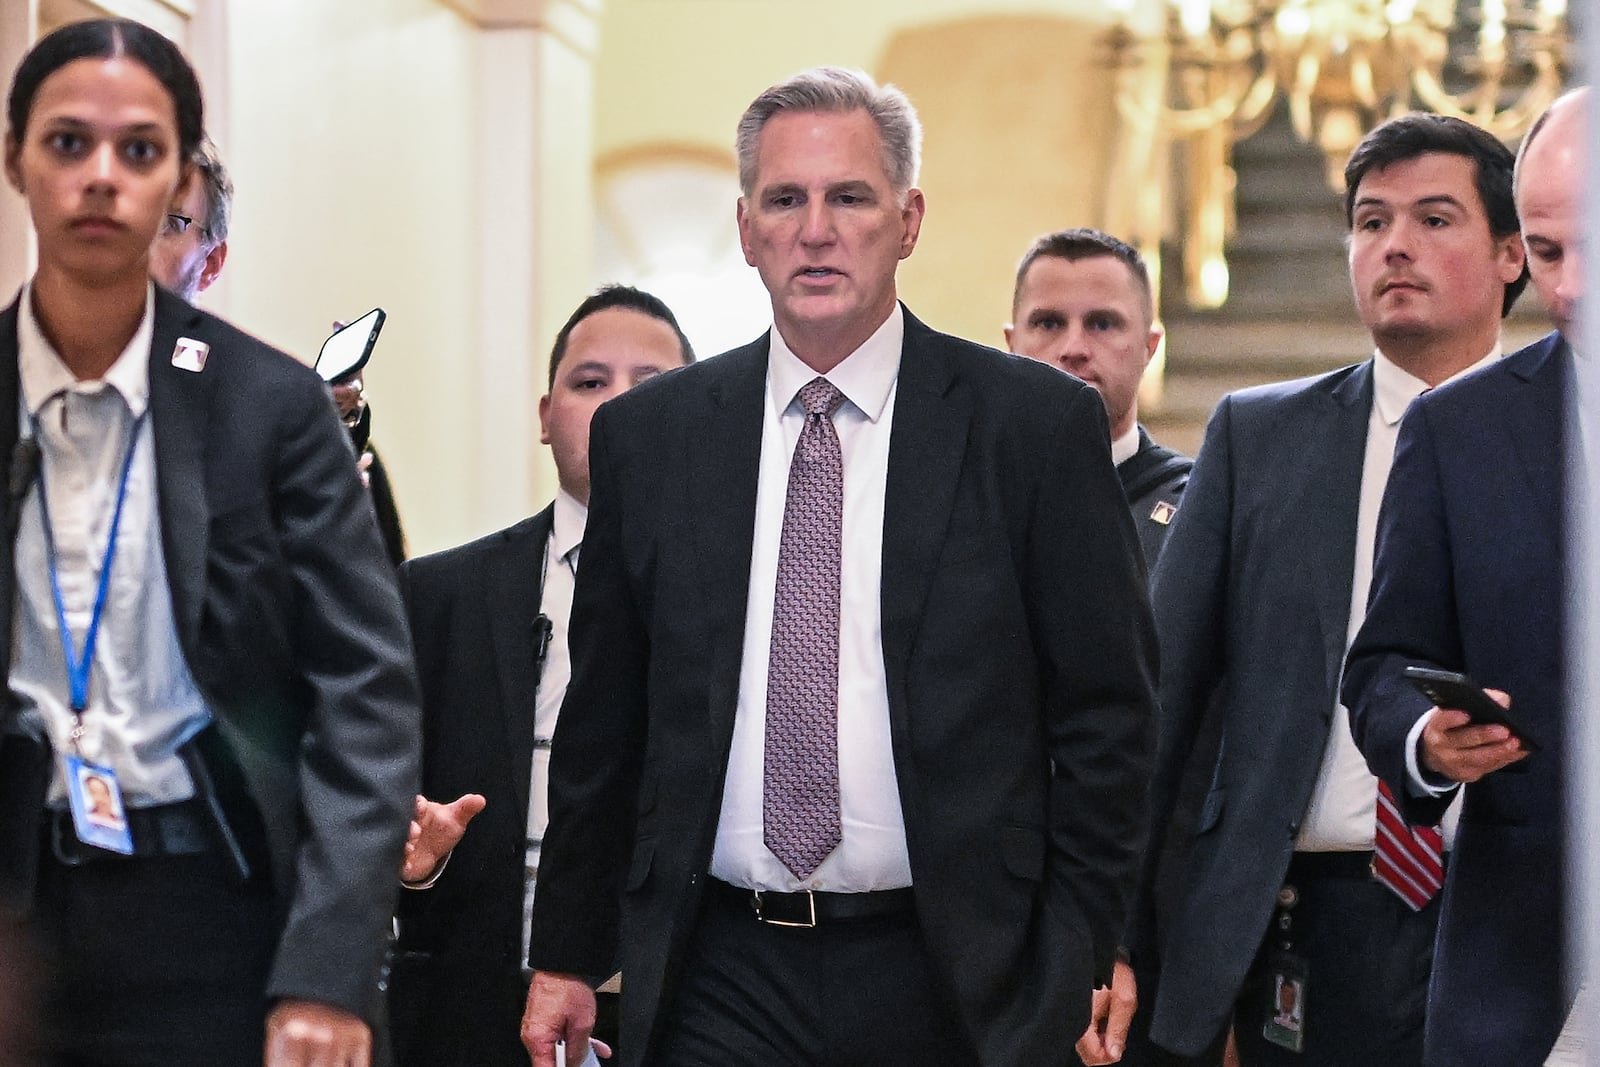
(561,550)
(872,854)
(1343,810)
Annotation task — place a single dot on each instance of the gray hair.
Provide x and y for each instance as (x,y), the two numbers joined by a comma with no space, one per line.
(218,189)
(837,89)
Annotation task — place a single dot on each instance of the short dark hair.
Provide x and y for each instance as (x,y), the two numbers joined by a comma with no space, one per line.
(1420,133)
(617,296)
(1084,243)
(111,39)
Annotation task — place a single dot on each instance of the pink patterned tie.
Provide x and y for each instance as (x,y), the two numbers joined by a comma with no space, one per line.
(1407,859)
(800,793)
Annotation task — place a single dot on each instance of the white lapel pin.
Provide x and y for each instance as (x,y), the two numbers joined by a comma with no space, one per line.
(190,354)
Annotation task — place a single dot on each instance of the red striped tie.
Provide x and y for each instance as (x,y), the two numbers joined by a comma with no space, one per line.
(1407,859)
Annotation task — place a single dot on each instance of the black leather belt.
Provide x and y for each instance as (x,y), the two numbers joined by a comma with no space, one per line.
(808,908)
(164,830)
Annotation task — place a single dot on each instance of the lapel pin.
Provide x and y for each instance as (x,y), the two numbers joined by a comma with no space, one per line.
(1163,512)
(190,354)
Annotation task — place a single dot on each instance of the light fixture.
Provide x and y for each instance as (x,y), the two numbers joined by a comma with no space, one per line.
(1205,74)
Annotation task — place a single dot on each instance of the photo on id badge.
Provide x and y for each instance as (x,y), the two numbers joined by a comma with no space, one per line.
(98,815)
(1285,1025)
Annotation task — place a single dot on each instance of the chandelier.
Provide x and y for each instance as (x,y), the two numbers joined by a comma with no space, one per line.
(1206,73)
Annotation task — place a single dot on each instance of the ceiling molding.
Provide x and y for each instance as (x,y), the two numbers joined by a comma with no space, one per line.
(525,14)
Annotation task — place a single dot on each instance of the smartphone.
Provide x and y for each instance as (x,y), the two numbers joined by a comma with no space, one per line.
(348,348)
(1446,689)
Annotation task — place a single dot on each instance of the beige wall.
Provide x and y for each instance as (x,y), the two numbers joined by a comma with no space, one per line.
(352,159)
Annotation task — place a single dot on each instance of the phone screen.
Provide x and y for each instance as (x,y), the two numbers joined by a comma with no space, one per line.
(348,349)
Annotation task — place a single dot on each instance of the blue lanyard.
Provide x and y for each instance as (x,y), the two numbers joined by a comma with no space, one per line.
(78,666)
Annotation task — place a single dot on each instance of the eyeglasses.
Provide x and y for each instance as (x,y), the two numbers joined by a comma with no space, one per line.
(177,223)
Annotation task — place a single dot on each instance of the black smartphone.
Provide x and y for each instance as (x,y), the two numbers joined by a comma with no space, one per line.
(1446,689)
(348,348)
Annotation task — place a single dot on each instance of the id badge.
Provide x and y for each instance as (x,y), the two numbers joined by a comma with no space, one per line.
(98,815)
(1286,1012)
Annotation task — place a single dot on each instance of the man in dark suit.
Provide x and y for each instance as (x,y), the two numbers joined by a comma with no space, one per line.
(1468,578)
(489,621)
(1257,594)
(1082,303)
(848,592)
(257,897)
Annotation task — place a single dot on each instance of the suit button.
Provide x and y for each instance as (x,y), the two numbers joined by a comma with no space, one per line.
(1294,827)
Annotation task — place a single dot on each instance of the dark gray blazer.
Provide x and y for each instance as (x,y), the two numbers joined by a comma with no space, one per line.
(289,618)
(1252,599)
(1016,632)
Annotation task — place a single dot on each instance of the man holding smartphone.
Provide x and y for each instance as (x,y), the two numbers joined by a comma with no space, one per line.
(1259,588)
(1468,578)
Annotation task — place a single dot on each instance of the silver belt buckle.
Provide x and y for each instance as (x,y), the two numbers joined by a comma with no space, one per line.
(811,904)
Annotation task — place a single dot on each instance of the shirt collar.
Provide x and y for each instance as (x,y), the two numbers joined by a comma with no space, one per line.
(1394,388)
(43,374)
(1125,447)
(566,527)
(865,377)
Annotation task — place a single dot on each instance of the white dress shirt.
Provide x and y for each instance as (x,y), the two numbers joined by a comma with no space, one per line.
(143,702)
(872,854)
(560,574)
(1343,811)
(1125,447)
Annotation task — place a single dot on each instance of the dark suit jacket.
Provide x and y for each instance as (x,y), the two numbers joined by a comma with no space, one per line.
(291,624)
(1153,480)
(1015,632)
(1252,600)
(456,995)
(1468,577)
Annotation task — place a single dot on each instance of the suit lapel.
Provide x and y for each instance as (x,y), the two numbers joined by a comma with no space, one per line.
(512,597)
(1534,424)
(180,408)
(9,388)
(724,465)
(926,444)
(1332,510)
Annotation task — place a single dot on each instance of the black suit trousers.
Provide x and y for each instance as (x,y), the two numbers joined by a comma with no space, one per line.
(848,994)
(152,962)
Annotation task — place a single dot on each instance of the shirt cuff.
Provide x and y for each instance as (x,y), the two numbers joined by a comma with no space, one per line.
(427,883)
(1418,783)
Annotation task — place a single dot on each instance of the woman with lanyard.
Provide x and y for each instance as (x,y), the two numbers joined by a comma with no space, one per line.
(209,752)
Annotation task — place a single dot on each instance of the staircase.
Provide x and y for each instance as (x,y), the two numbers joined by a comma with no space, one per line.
(1289,312)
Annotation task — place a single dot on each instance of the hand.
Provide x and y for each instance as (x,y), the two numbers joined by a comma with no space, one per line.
(1456,749)
(435,830)
(349,396)
(364,468)
(1109,1018)
(304,1033)
(560,1008)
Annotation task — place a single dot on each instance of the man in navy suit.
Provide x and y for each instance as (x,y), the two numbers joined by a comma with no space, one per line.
(1257,592)
(917,849)
(1468,578)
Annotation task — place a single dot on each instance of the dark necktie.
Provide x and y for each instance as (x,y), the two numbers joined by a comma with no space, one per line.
(800,790)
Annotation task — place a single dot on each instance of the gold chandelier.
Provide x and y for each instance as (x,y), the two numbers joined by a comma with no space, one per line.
(1205,74)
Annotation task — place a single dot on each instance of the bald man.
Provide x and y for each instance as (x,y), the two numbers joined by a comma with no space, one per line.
(1468,578)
